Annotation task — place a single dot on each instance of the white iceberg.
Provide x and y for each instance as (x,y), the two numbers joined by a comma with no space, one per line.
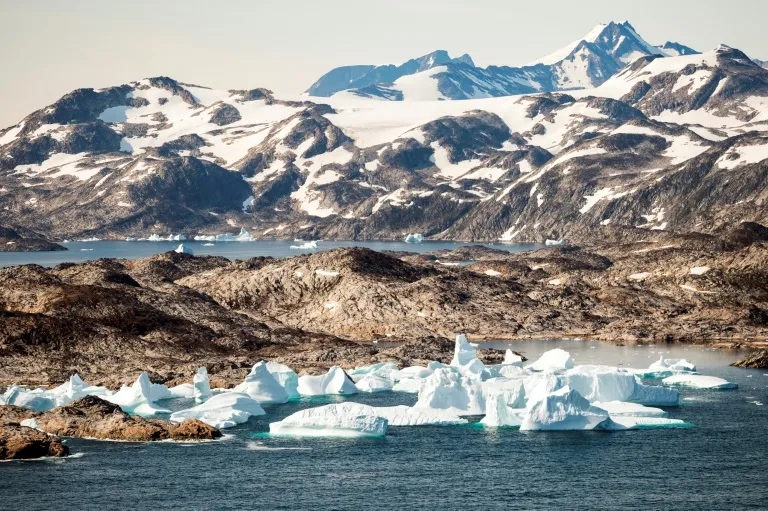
(465,357)
(286,377)
(556,360)
(624,409)
(698,381)
(601,383)
(666,367)
(202,385)
(539,385)
(181,249)
(351,420)
(221,411)
(414,238)
(415,416)
(373,383)
(138,399)
(512,358)
(75,388)
(413,372)
(307,245)
(649,422)
(129,238)
(242,236)
(564,409)
(262,386)
(335,381)
(447,389)
(184,390)
(386,370)
(504,402)
(555,243)
(408,385)
(37,401)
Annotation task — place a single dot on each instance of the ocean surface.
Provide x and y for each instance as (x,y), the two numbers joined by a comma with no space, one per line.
(719,463)
(86,251)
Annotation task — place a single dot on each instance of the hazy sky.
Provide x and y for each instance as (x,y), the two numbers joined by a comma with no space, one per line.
(52,47)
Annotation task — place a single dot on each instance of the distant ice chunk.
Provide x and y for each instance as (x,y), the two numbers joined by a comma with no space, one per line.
(242,236)
(512,358)
(555,360)
(414,238)
(138,399)
(286,377)
(202,385)
(564,409)
(223,410)
(31,400)
(262,386)
(624,409)
(415,416)
(307,245)
(73,389)
(373,383)
(450,390)
(181,249)
(351,420)
(698,381)
(649,422)
(666,367)
(555,243)
(335,381)
(386,370)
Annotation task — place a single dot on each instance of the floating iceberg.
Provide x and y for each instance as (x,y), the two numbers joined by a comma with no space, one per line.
(139,398)
(414,238)
(512,358)
(465,357)
(335,381)
(129,238)
(223,410)
(415,416)
(539,385)
(555,243)
(408,385)
(414,372)
(601,383)
(504,402)
(307,245)
(209,245)
(32,400)
(624,409)
(350,420)
(202,385)
(75,388)
(204,237)
(649,422)
(181,249)
(698,381)
(564,409)
(386,370)
(286,377)
(262,386)
(242,236)
(555,360)
(171,237)
(184,390)
(373,383)
(448,389)
(666,367)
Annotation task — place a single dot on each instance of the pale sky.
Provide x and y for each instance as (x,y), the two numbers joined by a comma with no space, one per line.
(51,47)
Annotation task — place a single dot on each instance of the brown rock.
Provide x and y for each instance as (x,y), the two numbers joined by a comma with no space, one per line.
(193,429)
(20,443)
(756,360)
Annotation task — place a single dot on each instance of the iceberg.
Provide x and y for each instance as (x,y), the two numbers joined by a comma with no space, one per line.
(601,383)
(512,358)
(504,402)
(350,420)
(505,371)
(651,395)
(448,389)
(129,238)
(286,377)
(307,245)
(386,370)
(666,367)
(221,411)
(650,422)
(203,237)
(562,410)
(185,390)
(413,372)
(624,409)
(181,249)
(262,386)
(414,238)
(465,357)
(242,236)
(373,383)
(37,401)
(555,360)
(408,385)
(699,381)
(138,399)
(539,385)
(555,243)
(415,416)
(202,385)
(75,388)
(335,381)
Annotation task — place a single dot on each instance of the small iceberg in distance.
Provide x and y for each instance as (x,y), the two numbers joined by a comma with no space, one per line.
(221,411)
(699,381)
(555,243)
(414,238)
(307,245)
(347,420)
(181,249)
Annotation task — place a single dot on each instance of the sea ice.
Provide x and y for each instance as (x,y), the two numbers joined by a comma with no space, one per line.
(286,377)
(335,381)
(223,410)
(348,419)
(415,416)
(262,386)
(448,389)
(649,422)
(202,385)
(698,381)
(564,409)
(555,360)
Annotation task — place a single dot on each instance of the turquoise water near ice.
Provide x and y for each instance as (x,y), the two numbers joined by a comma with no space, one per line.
(719,463)
(86,251)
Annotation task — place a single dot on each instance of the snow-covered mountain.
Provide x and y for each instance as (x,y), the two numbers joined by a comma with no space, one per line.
(584,63)
(666,143)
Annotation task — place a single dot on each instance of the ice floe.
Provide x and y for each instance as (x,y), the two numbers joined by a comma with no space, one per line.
(666,367)
(416,416)
(223,410)
(698,381)
(624,409)
(351,420)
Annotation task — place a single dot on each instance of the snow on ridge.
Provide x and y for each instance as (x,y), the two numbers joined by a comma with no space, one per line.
(558,55)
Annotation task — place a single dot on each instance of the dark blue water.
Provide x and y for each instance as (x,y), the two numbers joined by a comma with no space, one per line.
(720,463)
(86,251)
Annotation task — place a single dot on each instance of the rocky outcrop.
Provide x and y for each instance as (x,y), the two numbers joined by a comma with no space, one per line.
(756,360)
(22,443)
(92,417)
(24,240)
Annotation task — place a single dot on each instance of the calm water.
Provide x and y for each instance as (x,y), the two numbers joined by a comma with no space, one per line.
(717,464)
(86,251)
